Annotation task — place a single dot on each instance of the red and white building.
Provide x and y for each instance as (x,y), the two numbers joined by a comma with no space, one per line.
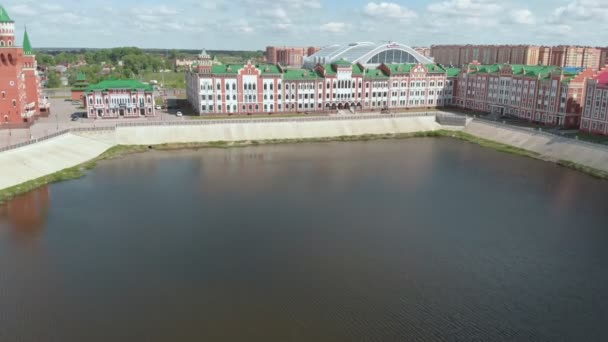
(20,96)
(543,94)
(339,85)
(595,116)
(114,99)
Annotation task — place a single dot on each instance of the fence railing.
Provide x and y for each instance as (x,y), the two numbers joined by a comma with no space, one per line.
(33,141)
(206,122)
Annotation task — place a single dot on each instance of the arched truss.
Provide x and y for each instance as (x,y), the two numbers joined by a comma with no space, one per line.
(392,53)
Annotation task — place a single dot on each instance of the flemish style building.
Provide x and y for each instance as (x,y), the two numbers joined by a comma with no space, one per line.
(595,117)
(544,94)
(337,85)
(113,99)
(20,99)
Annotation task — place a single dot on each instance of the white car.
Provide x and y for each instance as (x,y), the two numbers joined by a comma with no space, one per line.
(179,114)
(159,107)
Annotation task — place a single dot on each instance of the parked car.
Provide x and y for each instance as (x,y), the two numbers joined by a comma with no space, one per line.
(75,118)
(179,114)
(159,107)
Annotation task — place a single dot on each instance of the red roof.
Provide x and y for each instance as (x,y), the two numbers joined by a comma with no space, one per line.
(602,77)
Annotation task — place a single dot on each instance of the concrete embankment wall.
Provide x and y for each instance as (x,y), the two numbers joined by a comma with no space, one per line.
(152,135)
(549,146)
(44,158)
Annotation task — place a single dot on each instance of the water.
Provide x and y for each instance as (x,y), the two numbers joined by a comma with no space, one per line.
(415,240)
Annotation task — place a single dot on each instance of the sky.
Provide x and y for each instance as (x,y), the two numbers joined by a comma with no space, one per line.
(255,24)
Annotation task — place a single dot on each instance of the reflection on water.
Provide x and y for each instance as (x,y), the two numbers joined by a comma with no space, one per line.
(25,216)
(417,240)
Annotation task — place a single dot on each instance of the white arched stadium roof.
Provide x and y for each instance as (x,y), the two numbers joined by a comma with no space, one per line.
(368,54)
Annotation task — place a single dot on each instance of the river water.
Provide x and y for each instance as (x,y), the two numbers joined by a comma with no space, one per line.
(413,240)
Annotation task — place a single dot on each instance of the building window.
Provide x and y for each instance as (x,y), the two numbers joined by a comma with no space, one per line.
(14,103)
(3,94)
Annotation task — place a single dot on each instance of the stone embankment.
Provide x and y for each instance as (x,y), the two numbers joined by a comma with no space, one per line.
(75,147)
(273,129)
(549,146)
(47,157)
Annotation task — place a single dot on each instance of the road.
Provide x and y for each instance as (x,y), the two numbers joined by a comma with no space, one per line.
(62,112)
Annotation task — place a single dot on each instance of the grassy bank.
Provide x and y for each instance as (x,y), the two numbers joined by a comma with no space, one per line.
(122,150)
(67,174)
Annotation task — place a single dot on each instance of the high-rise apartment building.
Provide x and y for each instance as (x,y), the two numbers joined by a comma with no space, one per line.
(288,56)
(562,56)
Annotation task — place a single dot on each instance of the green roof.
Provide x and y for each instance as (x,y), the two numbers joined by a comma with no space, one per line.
(119,84)
(300,74)
(27,46)
(452,72)
(357,70)
(81,77)
(434,68)
(537,71)
(329,69)
(4,18)
(342,63)
(232,69)
(374,73)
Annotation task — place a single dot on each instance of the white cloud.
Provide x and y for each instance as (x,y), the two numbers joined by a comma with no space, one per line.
(580,10)
(27,10)
(388,10)
(334,27)
(522,16)
(465,8)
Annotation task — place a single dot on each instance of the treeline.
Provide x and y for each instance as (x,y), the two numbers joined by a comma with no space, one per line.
(126,62)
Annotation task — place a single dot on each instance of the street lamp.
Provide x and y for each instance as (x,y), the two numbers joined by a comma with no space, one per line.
(57,121)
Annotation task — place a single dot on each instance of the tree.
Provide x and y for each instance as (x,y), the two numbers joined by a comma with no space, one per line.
(44,59)
(53,81)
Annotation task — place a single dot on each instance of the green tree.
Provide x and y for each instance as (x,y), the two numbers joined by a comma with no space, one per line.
(44,59)
(53,81)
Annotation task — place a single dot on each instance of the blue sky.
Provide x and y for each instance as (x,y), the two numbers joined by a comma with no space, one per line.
(254,24)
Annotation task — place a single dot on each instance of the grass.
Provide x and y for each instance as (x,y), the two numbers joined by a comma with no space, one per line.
(598,139)
(67,174)
(122,150)
(172,79)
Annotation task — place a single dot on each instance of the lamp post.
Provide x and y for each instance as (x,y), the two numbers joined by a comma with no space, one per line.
(57,121)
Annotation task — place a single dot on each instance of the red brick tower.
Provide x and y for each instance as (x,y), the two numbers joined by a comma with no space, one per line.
(30,75)
(19,84)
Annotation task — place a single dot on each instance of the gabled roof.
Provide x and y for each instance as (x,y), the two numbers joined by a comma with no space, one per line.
(300,74)
(4,17)
(375,73)
(119,84)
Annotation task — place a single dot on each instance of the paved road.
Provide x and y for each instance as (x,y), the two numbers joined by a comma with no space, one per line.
(62,112)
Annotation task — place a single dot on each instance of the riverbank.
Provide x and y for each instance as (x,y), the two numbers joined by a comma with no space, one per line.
(125,150)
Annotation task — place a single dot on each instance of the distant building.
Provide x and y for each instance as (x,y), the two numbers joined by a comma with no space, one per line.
(288,56)
(595,117)
(79,88)
(459,55)
(561,56)
(184,63)
(575,56)
(543,94)
(20,97)
(113,99)
(332,86)
(425,51)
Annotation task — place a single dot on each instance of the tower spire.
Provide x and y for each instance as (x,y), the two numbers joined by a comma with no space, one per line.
(27,46)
